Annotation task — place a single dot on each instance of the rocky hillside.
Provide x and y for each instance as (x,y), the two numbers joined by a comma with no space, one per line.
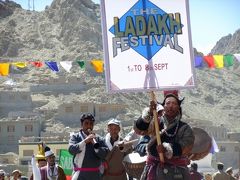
(64,31)
(228,44)
(70,29)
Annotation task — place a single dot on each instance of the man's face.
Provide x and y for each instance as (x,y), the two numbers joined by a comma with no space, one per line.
(42,163)
(16,174)
(113,130)
(140,132)
(87,124)
(171,107)
(51,160)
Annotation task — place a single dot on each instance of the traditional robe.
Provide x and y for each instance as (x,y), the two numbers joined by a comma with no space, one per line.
(180,137)
(87,160)
(56,174)
(220,175)
(115,169)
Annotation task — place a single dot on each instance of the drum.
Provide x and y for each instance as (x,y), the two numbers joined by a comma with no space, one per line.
(202,144)
(134,164)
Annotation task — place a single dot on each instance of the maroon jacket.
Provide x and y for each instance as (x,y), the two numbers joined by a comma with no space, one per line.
(61,174)
(194,175)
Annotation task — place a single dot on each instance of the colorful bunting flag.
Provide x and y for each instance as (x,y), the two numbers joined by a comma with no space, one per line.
(81,63)
(218,61)
(228,60)
(98,65)
(52,65)
(237,56)
(198,61)
(20,64)
(67,65)
(210,61)
(4,69)
(37,64)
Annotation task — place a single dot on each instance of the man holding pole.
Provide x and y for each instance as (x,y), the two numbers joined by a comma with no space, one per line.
(168,155)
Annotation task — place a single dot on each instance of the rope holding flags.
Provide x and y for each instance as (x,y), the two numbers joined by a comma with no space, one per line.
(212,61)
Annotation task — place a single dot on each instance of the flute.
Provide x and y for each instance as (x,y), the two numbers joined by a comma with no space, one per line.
(95,143)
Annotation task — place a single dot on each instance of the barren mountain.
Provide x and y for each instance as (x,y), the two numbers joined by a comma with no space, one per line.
(70,29)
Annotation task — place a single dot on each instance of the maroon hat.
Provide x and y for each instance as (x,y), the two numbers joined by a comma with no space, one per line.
(174,94)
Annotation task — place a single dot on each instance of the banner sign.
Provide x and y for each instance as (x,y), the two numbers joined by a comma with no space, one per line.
(66,161)
(147,45)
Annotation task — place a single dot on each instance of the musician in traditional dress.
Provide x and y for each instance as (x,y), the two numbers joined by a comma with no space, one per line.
(229,171)
(115,169)
(194,174)
(88,149)
(52,171)
(177,141)
(2,174)
(220,174)
(41,162)
(16,175)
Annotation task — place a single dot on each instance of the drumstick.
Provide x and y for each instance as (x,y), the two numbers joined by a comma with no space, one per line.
(130,142)
(127,142)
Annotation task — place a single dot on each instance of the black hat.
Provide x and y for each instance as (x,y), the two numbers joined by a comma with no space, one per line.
(194,166)
(179,101)
(88,116)
(141,124)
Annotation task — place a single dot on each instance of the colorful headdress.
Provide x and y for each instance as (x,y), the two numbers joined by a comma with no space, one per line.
(41,153)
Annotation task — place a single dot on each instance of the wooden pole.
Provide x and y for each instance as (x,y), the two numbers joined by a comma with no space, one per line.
(156,125)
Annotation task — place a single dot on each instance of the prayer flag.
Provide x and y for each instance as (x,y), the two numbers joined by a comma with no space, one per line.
(37,63)
(228,60)
(81,63)
(209,60)
(4,69)
(198,61)
(218,61)
(98,65)
(20,64)
(237,56)
(67,65)
(66,161)
(52,65)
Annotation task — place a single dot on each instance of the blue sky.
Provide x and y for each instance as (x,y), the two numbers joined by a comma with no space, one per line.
(210,19)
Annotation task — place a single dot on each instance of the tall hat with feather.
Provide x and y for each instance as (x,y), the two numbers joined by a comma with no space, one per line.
(41,153)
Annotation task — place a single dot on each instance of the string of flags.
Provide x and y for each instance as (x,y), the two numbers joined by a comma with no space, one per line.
(212,61)
(52,65)
(216,61)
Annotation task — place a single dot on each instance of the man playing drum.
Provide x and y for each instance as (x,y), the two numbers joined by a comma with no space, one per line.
(177,141)
(117,150)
